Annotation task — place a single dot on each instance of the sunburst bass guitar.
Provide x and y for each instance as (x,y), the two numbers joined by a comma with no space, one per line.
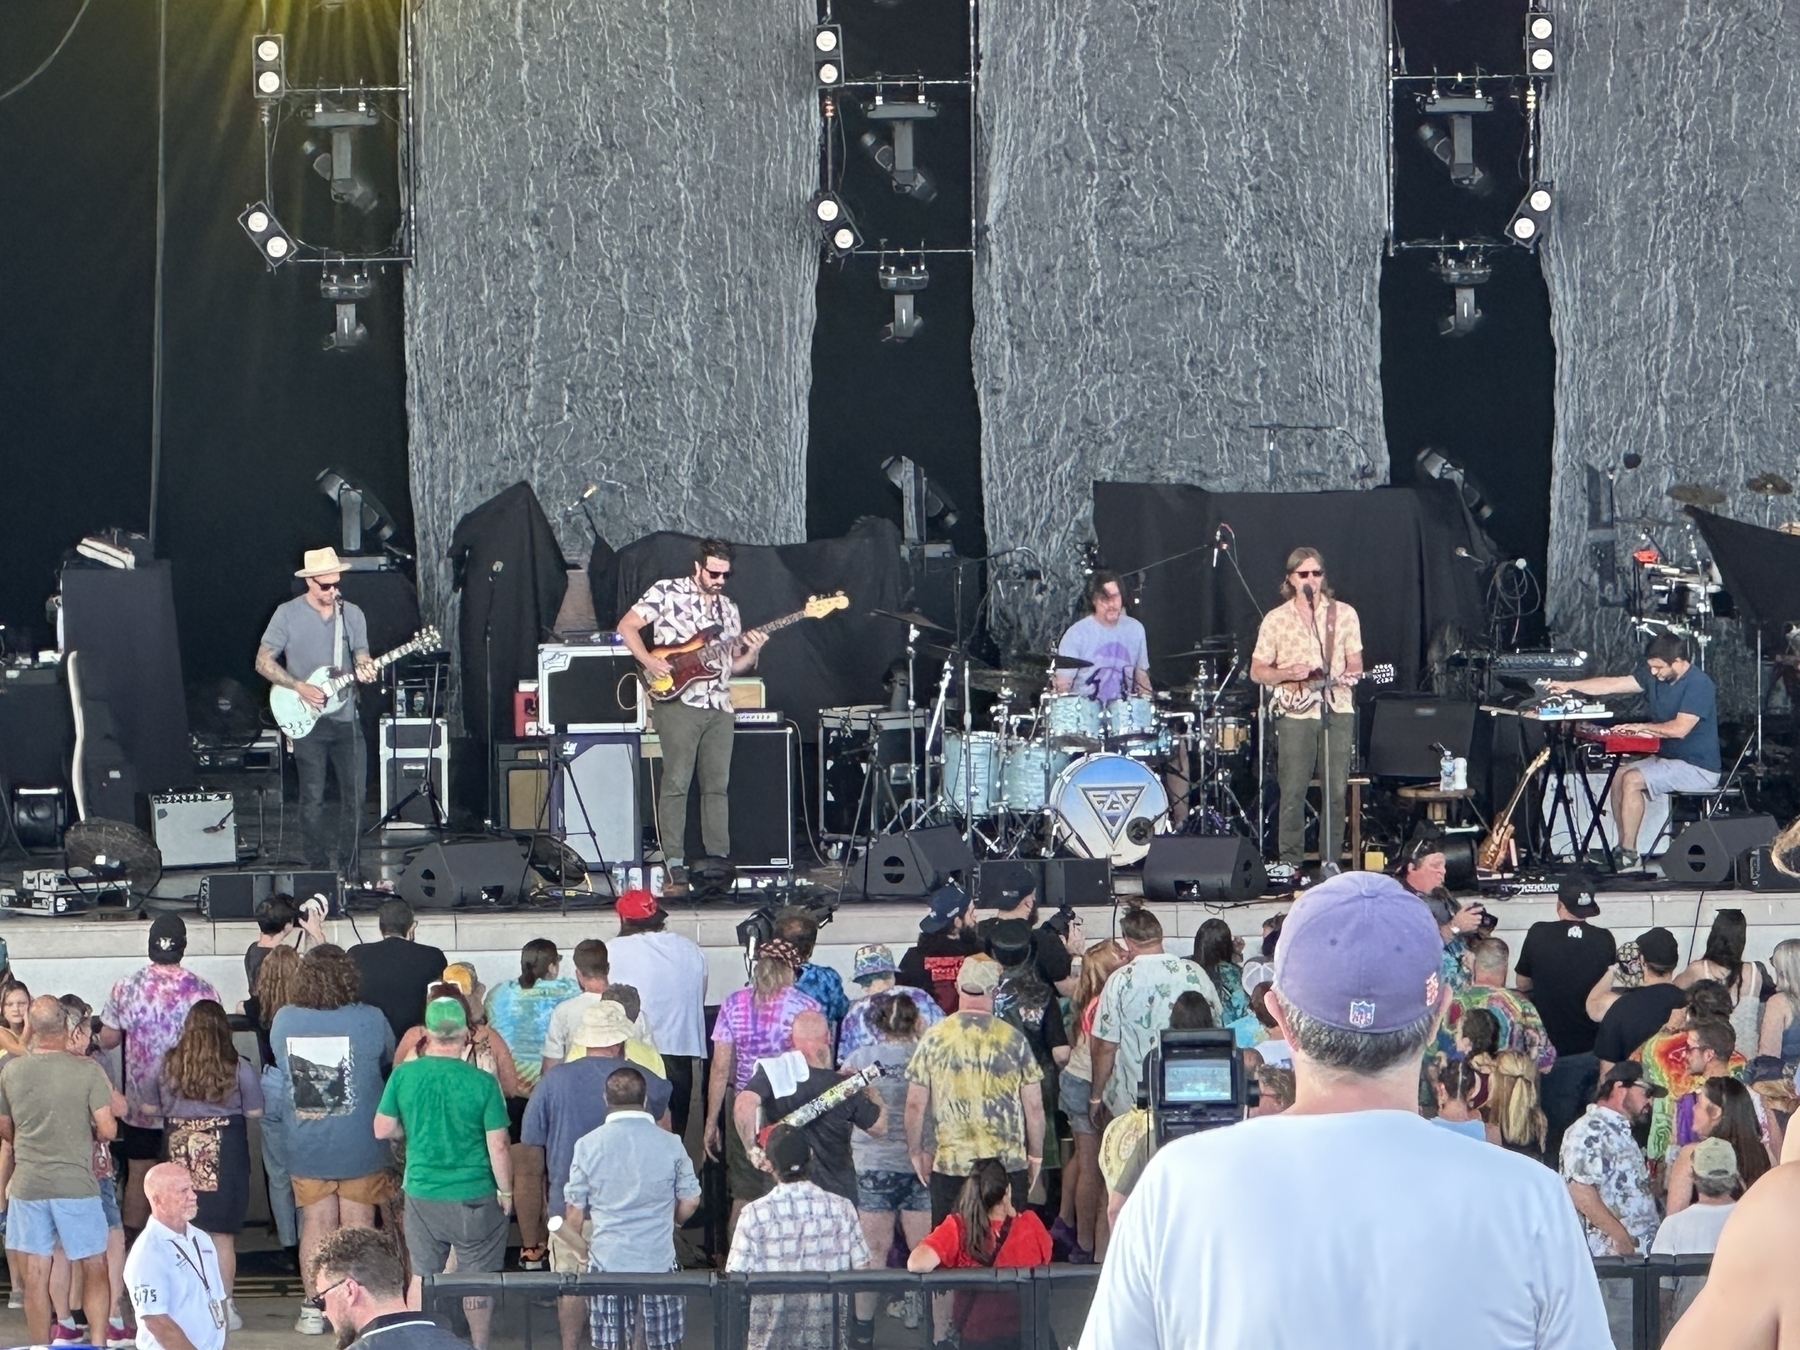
(706,657)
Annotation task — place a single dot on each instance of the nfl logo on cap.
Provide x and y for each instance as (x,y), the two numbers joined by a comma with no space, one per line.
(1362,1013)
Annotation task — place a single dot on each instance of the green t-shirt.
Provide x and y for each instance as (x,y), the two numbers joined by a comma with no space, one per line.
(52,1099)
(446,1107)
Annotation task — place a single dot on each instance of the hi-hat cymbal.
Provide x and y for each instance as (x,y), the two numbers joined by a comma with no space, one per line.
(911,616)
(1696,494)
(1019,681)
(1770,485)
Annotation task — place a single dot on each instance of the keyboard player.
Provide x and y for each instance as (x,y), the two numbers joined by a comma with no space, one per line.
(1683,714)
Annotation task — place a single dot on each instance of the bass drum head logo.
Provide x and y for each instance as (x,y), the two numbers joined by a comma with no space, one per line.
(1112,806)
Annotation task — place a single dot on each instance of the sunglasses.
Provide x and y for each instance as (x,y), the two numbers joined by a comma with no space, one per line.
(716,576)
(317,1301)
(325,585)
(1316,572)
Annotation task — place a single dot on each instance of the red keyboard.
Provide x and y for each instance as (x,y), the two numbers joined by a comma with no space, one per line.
(1618,742)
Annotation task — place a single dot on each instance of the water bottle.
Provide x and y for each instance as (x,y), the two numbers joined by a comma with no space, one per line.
(656,881)
(1446,772)
(1460,780)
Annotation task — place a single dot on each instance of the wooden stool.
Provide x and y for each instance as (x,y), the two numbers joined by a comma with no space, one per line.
(1436,801)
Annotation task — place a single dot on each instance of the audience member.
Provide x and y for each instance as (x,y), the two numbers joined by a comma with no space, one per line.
(1261,968)
(15,998)
(946,939)
(1050,944)
(1751,1299)
(630,1185)
(1520,1026)
(1422,866)
(637,1050)
(782,1084)
(362,1279)
(1024,999)
(63,1288)
(396,970)
(1609,1182)
(1459,925)
(146,1012)
(1746,983)
(1513,1106)
(1557,966)
(1134,1008)
(53,1107)
(208,1093)
(1477,1038)
(669,971)
(593,970)
(1724,1111)
(1081,1225)
(281,922)
(1350,1167)
(753,1024)
(823,985)
(1638,1014)
(1461,1093)
(1216,952)
(1275,1087)
(1694,1230)
(172,1270)
(1780,1033)
(331,1051)
(1669,1062)
(984,1231)
(484,1049)
(458,1182)
(798,1226)
(874,972)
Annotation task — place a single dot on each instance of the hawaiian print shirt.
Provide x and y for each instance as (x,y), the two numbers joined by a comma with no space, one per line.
(1234,1002)
(151,1006)
(1285,638)
(1664,1057)
(1521,1029)
(758,1031)
(1134,1010)
(974,1065)
(678,609)
(1599,1151)
(858,1029)
(797,1227)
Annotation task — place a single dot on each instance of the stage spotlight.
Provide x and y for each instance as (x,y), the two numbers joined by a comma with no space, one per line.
(268,66)
(1456,149)
(274,243)
(346,334)
(905,280)
(923,502)
(828,55)
(835,226)
(1540,42)
(896,158)
(338,165)
(1532,216)
(360,511)
(1463,272)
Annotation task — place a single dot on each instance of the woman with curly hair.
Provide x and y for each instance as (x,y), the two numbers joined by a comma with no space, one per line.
(331,1050)
(207,1093)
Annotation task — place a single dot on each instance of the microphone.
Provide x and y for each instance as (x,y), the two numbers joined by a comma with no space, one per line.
(1460,552)
(1307,591)
(1218,544)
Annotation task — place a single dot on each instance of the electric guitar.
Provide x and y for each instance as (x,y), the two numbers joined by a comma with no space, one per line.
(705,657)
(1499,838)
(1302,696)
(296,717)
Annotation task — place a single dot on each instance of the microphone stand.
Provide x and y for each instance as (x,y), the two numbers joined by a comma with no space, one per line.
(487,662)
(1328,861)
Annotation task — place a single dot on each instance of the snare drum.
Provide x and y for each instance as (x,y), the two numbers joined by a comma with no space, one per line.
(1108,806)
(1071,721)
(1227,735)
(1026,776)
(1130,719)
(983,759)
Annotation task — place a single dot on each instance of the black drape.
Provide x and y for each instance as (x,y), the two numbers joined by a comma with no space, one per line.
(510,571)
(1390,553)
(1761,571)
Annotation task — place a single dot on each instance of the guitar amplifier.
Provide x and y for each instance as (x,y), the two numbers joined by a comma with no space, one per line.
(412,750)
(194,829)
(589,688)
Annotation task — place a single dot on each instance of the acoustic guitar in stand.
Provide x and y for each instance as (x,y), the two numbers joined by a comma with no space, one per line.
(706,657)
(1499,839)
(295,716)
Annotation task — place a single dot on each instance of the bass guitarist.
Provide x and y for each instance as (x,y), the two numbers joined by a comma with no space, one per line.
(695,728)
(1311,636)
(319,628)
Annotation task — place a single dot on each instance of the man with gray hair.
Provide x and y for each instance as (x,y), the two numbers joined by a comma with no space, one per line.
(1349,1170)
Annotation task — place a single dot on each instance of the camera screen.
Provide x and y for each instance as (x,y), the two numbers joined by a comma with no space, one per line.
(1197,1080)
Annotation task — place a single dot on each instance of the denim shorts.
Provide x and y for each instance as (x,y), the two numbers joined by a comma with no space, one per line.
(1075,1093)
(885,1192)
(36,1226)
(109,1201)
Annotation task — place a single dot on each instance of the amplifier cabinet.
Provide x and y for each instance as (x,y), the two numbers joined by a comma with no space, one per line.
(522,785)
(412,749)
(195,829)
(593,797)
(761,795)
(588,688)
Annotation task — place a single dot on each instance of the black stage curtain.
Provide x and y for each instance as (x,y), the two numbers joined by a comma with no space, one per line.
(1761,571)
(509,567)
(837,660)
(1389,552)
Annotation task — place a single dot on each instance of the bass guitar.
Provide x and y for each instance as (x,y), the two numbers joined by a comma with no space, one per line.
(1302,696)
(706,657)
(295,716)
(1500,836)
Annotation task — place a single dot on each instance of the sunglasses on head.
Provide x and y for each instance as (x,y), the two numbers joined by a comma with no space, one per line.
(717,576)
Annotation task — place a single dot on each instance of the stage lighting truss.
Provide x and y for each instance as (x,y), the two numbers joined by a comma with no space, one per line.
(1532,216)
(905,275)
(268,67)
(1540,43)
(274,243)
(828,55)
(831,217)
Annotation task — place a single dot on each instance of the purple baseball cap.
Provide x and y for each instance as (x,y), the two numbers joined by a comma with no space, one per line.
(1360,952)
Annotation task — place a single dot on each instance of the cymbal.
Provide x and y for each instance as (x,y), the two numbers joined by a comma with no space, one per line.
(1770,485)
(1213,646)
(1696,494)
(911,616)
(1019,681)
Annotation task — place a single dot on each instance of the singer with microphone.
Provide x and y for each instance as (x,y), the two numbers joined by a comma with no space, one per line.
(1110,641)
(319,629)
(1308,651)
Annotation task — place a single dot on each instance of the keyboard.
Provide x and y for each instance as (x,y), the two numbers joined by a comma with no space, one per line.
(1618,742)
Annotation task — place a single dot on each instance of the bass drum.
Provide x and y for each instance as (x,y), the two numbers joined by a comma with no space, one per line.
(978,754)
(1108,806)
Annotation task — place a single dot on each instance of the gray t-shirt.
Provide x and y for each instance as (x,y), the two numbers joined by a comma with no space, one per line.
(1117,653)
(332,1062)
(888,1153)
(302,641)
(52,1099)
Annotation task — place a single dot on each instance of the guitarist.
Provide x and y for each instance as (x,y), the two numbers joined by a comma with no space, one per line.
(1309,636)
(696,727)
(320,628)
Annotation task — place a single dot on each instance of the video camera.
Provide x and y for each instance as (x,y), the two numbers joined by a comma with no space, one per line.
(1193,1081)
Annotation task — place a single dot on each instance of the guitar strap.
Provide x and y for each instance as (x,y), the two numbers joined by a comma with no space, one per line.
(337,647)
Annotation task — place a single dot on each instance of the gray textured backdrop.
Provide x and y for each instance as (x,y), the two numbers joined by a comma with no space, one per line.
(1184,205)
(1672,263)
(615,278)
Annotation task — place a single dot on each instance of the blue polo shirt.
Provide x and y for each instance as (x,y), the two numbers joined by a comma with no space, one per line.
(1692,693)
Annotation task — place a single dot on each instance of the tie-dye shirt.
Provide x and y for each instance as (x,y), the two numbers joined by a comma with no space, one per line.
(974,1065)
(758,1030)
(151,1006)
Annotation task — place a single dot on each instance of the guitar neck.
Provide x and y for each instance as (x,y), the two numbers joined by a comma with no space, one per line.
(721,647)
(338,683)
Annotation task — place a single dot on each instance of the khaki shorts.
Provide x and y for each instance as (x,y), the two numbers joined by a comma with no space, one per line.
(369,1190)
(568,1253)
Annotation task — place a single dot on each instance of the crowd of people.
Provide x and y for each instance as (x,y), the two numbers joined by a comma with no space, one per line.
(978,1102)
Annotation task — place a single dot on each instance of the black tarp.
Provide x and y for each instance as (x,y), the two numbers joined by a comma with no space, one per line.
(837,660)
(1389,552)
(1761,571)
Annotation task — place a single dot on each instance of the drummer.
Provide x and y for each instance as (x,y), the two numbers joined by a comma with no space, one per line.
(1111,642)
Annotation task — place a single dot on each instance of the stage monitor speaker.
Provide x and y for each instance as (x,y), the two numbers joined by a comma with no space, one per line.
(1407,729)
(522,785)
(1706,852)
(1203,867)
(449,876)
(1756,871)
(195,829)
(594,798)
(911,866)
(1076,881)
(235,895)
(1001,881)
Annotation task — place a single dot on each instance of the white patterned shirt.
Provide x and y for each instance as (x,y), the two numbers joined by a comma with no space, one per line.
(1134,1010)
(1599,1151)
(796,1227)
(677,609)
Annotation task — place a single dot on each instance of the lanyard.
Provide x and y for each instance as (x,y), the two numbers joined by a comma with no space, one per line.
(196,1263)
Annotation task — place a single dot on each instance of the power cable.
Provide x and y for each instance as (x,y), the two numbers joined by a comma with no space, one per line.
(54,53)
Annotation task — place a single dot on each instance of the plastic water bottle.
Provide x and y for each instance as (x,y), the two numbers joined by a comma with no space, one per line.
(1446,772)
(1460,779)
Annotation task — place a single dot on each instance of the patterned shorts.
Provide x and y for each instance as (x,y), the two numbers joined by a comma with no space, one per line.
(612,1318)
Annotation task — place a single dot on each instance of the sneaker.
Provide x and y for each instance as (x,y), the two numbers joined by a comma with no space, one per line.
(677,875)
(311,1322)
(16,1299)
(1628,860)
(232,1321)
(61,1333)
(119,1336)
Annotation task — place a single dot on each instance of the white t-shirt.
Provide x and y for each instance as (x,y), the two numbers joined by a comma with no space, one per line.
(1369,1217)
(669,973)
(567,1015)
(177,1275)
(1693,1231)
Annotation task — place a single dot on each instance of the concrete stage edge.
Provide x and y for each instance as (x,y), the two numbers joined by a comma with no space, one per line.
(85,955)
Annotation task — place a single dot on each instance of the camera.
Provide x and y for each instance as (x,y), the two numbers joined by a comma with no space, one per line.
(1196,1080)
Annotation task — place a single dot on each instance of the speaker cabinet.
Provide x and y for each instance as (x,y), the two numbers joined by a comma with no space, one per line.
(1199,867)
(235,895)
(911,866)
(522,785)
(594,798)
(446,876)
(1706,852)
(1406,730)
(761,796)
